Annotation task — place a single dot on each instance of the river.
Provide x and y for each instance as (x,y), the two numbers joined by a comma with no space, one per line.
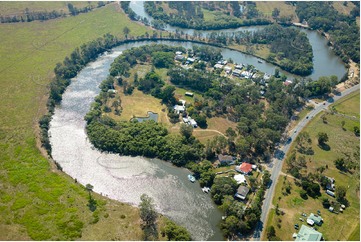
(125,178)
(325,62)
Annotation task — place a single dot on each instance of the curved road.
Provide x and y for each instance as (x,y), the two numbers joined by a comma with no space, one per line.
(278,161)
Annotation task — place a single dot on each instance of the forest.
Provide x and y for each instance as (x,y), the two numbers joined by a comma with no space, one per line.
(343,30)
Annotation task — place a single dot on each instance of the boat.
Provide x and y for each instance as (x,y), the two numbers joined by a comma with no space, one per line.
(191,178)
(259,61)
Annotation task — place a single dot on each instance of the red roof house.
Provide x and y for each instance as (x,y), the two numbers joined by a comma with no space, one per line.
(244,168)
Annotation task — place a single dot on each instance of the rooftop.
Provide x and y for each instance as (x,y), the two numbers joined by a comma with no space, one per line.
(308,234)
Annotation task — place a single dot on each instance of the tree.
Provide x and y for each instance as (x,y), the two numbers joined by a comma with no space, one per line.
(168,95)
(149,216)
(271,232)
(340,193)
(186,130)
(343,124)
(147,210)
(322,138)
(275,12)
(126,31)
(356,130)
(175,232)
(230,226)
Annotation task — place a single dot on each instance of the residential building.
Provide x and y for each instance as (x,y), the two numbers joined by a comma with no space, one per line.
(244,168)
(240,178)
(226,159)
(308,234)
(242,192)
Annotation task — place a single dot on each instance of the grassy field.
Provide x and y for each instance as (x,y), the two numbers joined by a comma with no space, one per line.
(349,105)
(267,7)
(36,201)
(340,141)
(338,5)
(18,8)
(138,104)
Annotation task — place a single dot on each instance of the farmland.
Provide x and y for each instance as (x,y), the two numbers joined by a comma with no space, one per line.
(38,202)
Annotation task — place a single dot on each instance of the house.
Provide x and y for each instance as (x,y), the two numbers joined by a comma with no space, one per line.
(240,66)
(242,192)
(244,168)
(266,77)
(179,109)
(240,178)
(236,72)
(190,60)
(287,82)
(226,159)
(190,94)
(179,57)
(192,122)
(228,69)
(308,234)
(315,218)
(218,66)
(178,52)
(224,62)
(183,102)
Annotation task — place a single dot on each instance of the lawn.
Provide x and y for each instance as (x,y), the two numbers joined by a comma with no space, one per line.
(349,105)
(267,7)
(340,142)
(36,201)
(138,104)
(338,5)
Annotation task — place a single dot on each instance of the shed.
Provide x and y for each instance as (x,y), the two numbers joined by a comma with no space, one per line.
(315,218)
(190,94)
(331,193)
(179,57)
(308,234)
(242,192)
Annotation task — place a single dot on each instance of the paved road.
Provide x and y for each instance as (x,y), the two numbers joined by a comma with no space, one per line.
(277,163)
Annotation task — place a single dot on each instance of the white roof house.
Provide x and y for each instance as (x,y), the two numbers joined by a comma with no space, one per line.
(218,66)
(227,69)
(191,60)
(178,52)
(240,66)
(240,178)
(179,109)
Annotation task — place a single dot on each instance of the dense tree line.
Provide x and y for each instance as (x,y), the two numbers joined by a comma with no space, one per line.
(29,16)
(343,30)
(190,15)
(148,139)
(289,47)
